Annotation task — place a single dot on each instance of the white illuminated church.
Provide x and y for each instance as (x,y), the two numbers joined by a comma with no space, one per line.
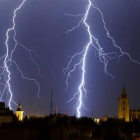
(19,112)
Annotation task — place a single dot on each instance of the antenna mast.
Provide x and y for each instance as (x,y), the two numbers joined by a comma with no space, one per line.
(51,103)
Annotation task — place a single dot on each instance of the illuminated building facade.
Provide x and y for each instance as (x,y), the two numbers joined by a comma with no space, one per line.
(134,114)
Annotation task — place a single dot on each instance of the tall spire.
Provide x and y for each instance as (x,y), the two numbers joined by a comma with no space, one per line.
(124,92)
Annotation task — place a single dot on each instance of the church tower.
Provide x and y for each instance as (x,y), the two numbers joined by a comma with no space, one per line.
(123,106)
(19,112)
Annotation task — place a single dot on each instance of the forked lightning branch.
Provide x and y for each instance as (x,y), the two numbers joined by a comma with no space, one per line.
(7,59)
(93,42)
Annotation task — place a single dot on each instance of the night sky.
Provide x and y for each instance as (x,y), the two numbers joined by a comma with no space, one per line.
(41,25)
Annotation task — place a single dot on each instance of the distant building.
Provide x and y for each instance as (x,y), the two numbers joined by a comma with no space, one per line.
(134,114)
(105,118)
(19,113)
(6,115)
(123,108)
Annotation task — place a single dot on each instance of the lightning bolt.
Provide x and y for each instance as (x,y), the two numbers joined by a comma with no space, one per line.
(104,57)
(8,61)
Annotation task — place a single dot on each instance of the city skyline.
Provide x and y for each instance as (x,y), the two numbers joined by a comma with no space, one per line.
(41,26)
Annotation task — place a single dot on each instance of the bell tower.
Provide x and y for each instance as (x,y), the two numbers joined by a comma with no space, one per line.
(19,112)
(123,106)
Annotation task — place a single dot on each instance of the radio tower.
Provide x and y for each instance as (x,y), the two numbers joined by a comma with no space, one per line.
(51,107)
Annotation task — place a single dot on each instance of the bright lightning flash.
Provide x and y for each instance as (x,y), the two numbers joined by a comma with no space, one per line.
(93,42)
(8,60)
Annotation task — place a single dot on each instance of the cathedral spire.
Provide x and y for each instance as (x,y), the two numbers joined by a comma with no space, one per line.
(124,92)
(123,106)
